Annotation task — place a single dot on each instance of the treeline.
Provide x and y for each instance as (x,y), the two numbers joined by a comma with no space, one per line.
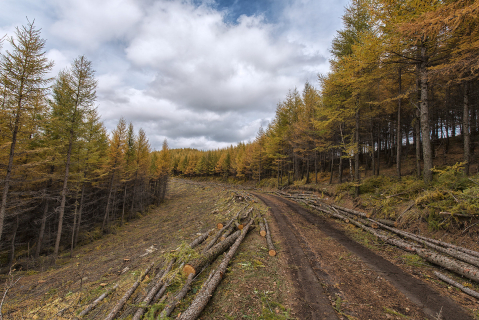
(403,84)
(64,179)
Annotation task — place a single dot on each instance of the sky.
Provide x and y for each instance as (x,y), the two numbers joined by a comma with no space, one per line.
(202,74)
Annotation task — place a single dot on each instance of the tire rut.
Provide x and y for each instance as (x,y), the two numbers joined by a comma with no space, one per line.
(305,271)
(425,297)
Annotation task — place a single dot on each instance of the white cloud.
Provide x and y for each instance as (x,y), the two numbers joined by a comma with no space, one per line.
(180,69)
(90,23)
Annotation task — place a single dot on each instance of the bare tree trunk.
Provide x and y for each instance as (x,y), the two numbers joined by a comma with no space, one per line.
(42,230)
(356,155)
(80,211)
(466,130)
(424,108)
(6,183)
(399,135)
(14,236)
(373,159)
(105,217)
(63,195)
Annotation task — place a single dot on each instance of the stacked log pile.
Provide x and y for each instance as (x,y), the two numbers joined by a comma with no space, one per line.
(203,251)
(459,260)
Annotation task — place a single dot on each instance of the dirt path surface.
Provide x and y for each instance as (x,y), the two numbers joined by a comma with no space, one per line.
(328,265)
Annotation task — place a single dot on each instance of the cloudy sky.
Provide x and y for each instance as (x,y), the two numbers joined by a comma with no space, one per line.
(202,73)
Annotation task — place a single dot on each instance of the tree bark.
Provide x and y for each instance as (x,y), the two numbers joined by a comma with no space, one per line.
(63,195)
(398,130)
(42,230)
(116,309)
(206,291)
(356,154)
(197,264)
(269,241)
(424,112)
(466,130)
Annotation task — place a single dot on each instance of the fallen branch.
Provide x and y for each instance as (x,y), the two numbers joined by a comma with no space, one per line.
(199,303)
(127,295)
(92,305)
(444,278)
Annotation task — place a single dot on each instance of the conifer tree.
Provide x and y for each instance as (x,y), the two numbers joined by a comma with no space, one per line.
(23,78)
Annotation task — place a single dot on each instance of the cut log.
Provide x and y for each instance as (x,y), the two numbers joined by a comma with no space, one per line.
(271,249)
(209,256)
(151,294)
(219,226)
(199,303)
(92,305)
(127,295)
(464,289)
(199,240)
(220,232)
(174,302)
(426,242)
(226,234)
(458,267)
(239,226)
(262,229)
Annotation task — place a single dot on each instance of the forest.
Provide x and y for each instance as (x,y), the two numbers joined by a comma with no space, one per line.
(64,179)
(403,85)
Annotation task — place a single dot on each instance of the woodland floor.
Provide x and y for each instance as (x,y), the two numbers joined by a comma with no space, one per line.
(323,270)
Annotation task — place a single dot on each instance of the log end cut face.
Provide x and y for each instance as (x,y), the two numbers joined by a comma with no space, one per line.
(272,252)
(262,233)
(187,270)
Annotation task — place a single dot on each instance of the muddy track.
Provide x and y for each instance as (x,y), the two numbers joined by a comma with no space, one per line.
(371,286)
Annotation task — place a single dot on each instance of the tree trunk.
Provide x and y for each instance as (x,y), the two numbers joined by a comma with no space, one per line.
(466,130)
(105,217)
(206,291)
(196,265)
(12,246)
(424,108)
(6,183)
(356,155)
(63,195)
(42,230)
(373,159)
(80,211)
(398,130)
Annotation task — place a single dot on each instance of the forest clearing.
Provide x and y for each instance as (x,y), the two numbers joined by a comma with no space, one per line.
(353,197)
(323,269)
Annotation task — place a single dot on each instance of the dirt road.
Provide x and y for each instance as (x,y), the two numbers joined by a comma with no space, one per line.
(338,278)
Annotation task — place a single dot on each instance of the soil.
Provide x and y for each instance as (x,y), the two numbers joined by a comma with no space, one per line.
(360,284)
